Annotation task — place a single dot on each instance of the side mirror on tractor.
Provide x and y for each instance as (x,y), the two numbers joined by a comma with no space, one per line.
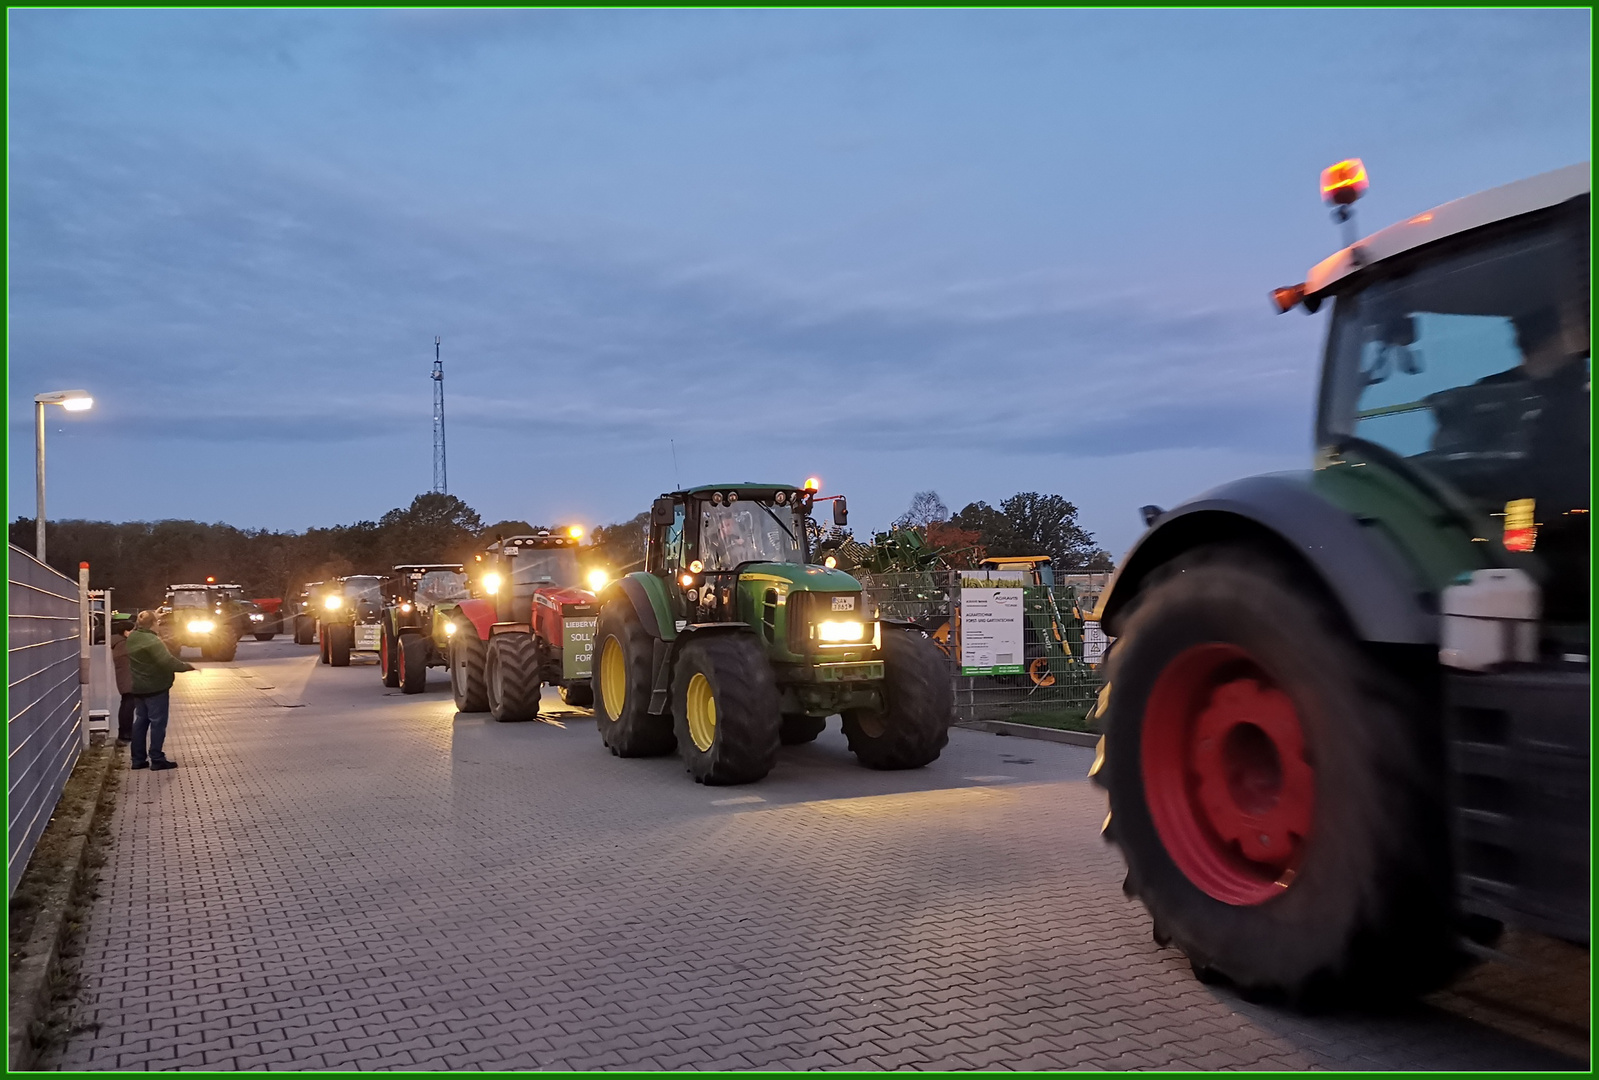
(840,511)
(662,512)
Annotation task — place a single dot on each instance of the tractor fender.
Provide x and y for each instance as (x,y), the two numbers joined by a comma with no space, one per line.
(1366,574)
(665,657)
(647,594)
(480,613)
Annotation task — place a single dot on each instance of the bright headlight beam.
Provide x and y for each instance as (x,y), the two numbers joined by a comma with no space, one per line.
(841,630)
(333,602)
(491,583)
(201,626)
(598,580)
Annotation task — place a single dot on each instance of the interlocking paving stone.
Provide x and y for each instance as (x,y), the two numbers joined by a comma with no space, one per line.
(371,881)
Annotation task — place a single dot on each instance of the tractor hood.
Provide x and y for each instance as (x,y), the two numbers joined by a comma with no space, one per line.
(801,578)
(556,595)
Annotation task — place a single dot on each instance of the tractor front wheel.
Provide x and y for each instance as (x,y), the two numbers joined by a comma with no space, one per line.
(466,671)
(622,656)
(265,637)
(388,657)
(340,637)
(225,650)
(798,728)
(725,703)
(912,727)
(512,676)
(1277,791)
(411,663)
(304,630)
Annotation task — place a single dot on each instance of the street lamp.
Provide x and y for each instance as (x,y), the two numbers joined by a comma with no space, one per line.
(72,401)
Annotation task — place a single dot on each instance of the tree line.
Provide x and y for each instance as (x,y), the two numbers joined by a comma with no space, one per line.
(140,559)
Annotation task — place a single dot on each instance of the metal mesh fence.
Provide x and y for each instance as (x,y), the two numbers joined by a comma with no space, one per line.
(46,700)
(1048,683)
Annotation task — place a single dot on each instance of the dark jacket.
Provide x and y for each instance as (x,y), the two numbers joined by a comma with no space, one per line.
(153,666)
(121,664)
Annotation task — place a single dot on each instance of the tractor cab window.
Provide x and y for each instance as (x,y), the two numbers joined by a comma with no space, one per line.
(748,531)
(674,554)
(1473,366)
(536,568)
(440,587)
(190,598)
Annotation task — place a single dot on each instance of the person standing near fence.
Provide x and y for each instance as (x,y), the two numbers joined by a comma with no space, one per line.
(153,668)
(124,673)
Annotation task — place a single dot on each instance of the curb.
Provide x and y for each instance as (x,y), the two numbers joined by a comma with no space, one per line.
(1029,731)
(31,982)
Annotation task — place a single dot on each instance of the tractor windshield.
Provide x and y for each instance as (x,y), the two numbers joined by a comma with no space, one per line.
(536,567)
(440,587)
(748,532)
(190,598)
(1473,365)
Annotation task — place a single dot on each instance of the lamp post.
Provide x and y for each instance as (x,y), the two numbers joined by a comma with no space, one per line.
(72,401)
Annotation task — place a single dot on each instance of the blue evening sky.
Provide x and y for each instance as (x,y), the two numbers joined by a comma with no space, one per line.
(978,252)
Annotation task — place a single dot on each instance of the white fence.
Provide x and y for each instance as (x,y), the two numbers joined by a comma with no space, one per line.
(46,700)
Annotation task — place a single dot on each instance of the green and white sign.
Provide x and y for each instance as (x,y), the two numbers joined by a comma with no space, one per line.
(577,647)
(992,623)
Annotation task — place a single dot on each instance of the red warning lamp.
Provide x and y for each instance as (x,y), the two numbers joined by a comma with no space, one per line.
(1343,183)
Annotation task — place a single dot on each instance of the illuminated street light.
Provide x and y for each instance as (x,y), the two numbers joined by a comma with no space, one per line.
(72,401)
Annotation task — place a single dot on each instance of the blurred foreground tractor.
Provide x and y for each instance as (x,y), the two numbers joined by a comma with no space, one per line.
(409,646)
(1346,726)
(731,642)
(206,616)
(527,623)
(349,617)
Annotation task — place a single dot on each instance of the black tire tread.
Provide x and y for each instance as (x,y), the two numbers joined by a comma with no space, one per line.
(413,663)
(747,719)
(636,733)
(919,706)
(511,676)
(467,658)
(388,654)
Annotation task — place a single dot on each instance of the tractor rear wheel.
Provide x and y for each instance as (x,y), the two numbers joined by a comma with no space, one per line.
(797,728)
(579,695)
(206,652)
(265,637)
(340,637)
(225,650)
(411,663)
(1277,792)
(466,670)
(304,630)
(512,677)
(622,658)
(725,702)
(321,642)
(912,727)
(389,659)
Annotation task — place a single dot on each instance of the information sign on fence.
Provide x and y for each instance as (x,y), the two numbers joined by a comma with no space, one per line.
(1094,643)
(993,625)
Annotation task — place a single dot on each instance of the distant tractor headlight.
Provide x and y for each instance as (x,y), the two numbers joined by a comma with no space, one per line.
(491,583)
(406,608)
(333,603)
(830,562)
(201,626)
(449,628)
(841,630)
(598,579)
(257,617)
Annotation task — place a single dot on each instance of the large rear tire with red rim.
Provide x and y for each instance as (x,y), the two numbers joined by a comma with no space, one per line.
(1275,787)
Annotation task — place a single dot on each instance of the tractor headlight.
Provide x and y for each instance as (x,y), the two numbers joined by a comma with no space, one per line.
(333,603)
(598,580)
(257,617)
(201,626)
(406,608)
(491,583)
(449,628)
(841,630)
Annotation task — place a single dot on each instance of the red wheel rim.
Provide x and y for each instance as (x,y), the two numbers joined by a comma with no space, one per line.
(1225,775)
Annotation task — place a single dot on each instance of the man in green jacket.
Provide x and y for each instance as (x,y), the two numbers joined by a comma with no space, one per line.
(153,668)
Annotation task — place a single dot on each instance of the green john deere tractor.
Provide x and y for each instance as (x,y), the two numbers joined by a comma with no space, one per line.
(731,642)
(1346,713)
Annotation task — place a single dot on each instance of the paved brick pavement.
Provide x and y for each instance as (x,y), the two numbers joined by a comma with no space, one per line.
(369,881)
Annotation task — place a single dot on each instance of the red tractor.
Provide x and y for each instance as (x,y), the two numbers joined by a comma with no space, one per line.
(527,623)
(266,621)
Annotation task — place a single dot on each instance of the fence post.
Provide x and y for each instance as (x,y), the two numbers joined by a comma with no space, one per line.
(84,639)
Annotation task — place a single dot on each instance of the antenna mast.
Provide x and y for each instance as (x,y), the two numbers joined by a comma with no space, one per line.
(441,479)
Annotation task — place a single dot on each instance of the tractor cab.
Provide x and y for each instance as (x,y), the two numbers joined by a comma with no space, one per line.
(426,584)
(532,562)
(1034,569)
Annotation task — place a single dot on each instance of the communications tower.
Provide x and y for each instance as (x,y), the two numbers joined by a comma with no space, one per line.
(441,479)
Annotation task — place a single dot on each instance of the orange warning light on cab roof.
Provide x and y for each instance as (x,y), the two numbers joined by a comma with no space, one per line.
(813,484)
(1343,183)
(210,580)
